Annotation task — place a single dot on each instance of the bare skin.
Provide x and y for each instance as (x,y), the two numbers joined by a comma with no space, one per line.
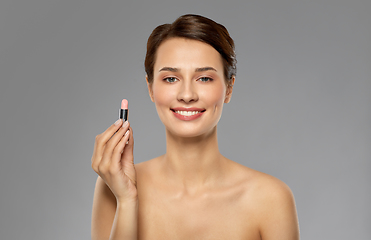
(234,208)
(245,204)
(192,191)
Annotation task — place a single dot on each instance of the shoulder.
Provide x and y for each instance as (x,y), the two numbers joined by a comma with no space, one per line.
(148,170)
(263,186)
(260,184)
(147,166)
(271,202)
(267,192)
(271,190)
(275,208)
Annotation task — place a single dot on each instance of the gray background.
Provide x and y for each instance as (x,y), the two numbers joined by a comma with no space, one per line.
(300,110)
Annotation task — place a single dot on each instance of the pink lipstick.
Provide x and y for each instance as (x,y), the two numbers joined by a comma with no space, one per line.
(124,110)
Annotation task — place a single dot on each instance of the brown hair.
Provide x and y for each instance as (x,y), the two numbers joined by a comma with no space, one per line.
(193,27)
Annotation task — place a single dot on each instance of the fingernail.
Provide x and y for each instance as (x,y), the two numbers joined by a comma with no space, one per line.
(118,122)
(125,123)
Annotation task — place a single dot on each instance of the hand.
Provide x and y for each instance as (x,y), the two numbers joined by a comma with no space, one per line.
(113,160)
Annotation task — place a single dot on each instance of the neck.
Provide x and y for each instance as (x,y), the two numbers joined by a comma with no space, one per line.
(193,163)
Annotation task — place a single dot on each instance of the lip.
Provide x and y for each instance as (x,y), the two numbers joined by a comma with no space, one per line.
(188,118)
(188,109)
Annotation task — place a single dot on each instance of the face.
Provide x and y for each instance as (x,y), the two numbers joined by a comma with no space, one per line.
(188,87)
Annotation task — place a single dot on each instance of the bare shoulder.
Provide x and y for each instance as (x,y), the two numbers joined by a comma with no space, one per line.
(263,186)
(270,188)
(271,202)
(147,170)
(147,166)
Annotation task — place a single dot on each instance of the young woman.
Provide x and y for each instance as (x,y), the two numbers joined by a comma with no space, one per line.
(192,191)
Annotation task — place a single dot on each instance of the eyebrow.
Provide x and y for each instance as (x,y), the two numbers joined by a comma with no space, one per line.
(203,69)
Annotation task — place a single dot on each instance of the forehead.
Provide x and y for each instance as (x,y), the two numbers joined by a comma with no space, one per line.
(187,54)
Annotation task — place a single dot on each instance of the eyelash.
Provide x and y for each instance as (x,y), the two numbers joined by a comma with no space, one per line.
(167,79)
(174,79)
(208,79)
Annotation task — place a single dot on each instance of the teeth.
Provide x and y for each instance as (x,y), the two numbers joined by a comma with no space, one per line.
(187,113)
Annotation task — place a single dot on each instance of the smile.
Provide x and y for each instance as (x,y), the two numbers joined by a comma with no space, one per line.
(187,113)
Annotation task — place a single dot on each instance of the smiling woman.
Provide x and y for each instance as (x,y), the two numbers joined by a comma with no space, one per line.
(192,191)
(188,85)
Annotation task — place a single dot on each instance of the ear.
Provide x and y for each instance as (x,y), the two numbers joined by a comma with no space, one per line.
(150,91)
(228,94)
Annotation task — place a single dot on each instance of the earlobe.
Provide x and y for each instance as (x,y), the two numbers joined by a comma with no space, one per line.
(150,91)
(229,91)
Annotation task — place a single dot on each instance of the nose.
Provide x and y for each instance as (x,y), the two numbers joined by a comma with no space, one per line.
(187,92)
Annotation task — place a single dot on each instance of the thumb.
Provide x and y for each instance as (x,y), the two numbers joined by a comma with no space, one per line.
(128,152)
(127,159)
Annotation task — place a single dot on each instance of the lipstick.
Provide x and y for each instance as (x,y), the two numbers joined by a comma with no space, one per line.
(124,110)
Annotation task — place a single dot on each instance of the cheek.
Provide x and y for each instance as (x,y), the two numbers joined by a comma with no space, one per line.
(215,96)
(162,95)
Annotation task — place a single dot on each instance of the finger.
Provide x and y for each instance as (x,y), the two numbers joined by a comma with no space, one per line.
(101,139)
(115,165)
(112,143)
(131,138)
(99,144)
(127,159)
(119,149)
(129,148)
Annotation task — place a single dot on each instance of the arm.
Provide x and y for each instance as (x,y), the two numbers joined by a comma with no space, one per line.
(112,220)
(115,205)
(125,224)
(278,213)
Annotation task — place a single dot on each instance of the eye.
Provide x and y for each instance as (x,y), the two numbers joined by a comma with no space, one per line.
(205,79)
(170,79)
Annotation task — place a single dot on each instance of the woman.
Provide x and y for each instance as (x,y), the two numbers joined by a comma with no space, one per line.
(192,191)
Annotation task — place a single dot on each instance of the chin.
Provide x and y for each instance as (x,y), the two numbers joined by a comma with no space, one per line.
(190,133)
